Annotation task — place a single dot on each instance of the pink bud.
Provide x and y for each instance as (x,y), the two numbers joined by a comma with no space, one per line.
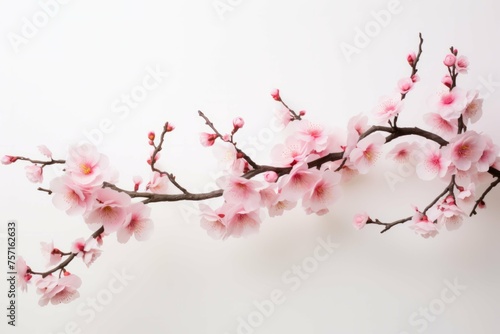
(239,155)
(449,60)
(207,139)
(415,78)
(302,113)
(137,181)
(447,81)
(481,205)
(226,137)
(66,273)
(151,136)
(271,176)
(405,85)
(238,122)
(455,51)
(151,142)
(275,93)
(7,159)
(169,127)
(411,58)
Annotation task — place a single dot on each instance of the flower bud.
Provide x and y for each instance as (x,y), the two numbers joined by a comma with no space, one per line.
(169,127)
(449,60)
(302,113)
(271,176)
(447,81)
(275,93)
(238,123)
(411,58)
(151,136)
(7,159)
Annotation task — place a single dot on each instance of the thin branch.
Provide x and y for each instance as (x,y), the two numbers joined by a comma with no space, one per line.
(483,196)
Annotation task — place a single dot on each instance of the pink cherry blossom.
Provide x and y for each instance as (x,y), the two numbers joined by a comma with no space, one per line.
(137,182)
(443,127)
(241,191)
(207,139)
(388,107)
(280,206)
(45,151)
(467,195)
(109,210)
(360,220)
(474,109)
(447,81)
(402,152)
(367,152)
(324,192)
(8,159)
(488,156)
(58,290)
(158,183)
(405,85)
(449,60)
(450,104)
(358,124)
(462,64)
(465,149)
(23,274)
(283,116)
(289,153)
(214,222)
(226,155)
(241,223)
(34,173)
(69,196)
(275,93)
(53,255)
(421,225)
(448,214)
(313,135)
(433,164)
(137,223)
(300,180)
(87,250)
(86,165)
(238,123)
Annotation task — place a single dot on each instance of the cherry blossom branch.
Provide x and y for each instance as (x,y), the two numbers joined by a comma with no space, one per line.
(399,132)
(42,162)
(480,201)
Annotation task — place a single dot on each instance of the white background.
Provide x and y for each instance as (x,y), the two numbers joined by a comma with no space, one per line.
(64,81)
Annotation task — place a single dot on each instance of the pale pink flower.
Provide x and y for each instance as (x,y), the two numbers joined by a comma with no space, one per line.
(450,104)
(241,223)
(226,155)
(323,193)
(275,93)
(109,210)
(240,191)
(238,123)
(69,196)
(283,116)
(270,177)
(45,151)
(401,153)
(465,149)
(300,180)
(367,152)
(86,250)
(467,194)
(137,223)
(279,207)
(207,139)
(86,165)
(448,214)
(58,290)
(289,153)
(313,135)
(443,127)
(405,85)
(360,220)
(462,64)
(53,255)
(358,124)
(450,60)
(158,183)
(388,107)
(34,173)
(489,155)
(23,274)
(214,222)
(422,226)
(433,164)
(8,159)
(474,108)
